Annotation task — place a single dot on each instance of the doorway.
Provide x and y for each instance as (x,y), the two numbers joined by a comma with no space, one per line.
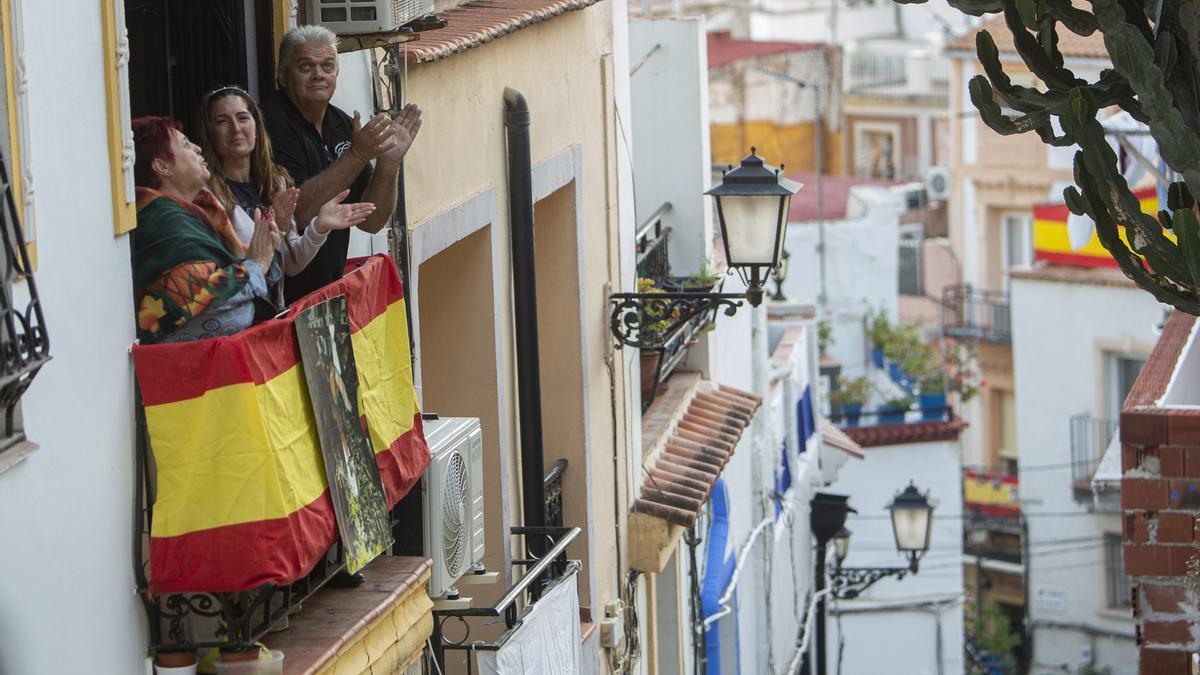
(181,49)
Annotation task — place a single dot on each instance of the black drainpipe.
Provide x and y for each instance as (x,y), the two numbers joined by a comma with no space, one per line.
(529,385)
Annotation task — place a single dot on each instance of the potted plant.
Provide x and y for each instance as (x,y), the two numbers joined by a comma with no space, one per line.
(175,663)
(893,410)
(932,396)
(700,282)
(824,335)
(653,336)
(879,330)
(960,371)
(849,397)
(904,347)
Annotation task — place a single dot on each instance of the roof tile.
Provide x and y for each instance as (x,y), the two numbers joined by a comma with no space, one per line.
(679,483)
(1070,44)
(475,23)
(898,434)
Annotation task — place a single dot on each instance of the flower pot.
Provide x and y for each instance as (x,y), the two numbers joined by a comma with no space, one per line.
(933,406)
(649,365)
(175,663)
(851,412)
(877,357)
(890,414)
(898,376)
(686,285)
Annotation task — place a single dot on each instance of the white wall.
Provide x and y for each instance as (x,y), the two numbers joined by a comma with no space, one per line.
(670,133)
(862,269)
(894,620)
(1060,332)
(67,602)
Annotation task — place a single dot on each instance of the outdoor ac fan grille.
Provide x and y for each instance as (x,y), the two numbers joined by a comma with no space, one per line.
(454,514)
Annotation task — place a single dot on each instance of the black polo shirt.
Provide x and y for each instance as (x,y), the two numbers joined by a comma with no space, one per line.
(296,145)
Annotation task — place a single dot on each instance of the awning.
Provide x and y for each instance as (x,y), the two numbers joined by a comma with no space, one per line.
(679,479)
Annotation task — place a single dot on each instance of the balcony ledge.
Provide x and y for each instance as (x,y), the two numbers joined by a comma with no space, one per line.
(380,626)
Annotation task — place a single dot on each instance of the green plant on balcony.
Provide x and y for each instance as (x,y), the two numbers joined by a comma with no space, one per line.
(963,379)
(879,329)
(824,335)
(1155,78)
(853,391)
(898,402)
(658,320)
(903,344)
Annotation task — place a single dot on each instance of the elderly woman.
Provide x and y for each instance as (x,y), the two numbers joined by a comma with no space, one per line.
(244,178)
(193,277)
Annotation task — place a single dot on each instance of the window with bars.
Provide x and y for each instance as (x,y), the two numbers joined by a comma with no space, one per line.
(911,264)
(1114,572)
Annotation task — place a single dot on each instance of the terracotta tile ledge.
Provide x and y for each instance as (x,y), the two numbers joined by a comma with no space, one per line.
(360,624)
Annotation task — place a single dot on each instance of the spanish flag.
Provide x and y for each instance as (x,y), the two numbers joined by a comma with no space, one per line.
(241,498)
(1052,239)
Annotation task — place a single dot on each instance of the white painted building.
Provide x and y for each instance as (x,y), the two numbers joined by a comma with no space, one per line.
(916,621)
(861,268)
(1080,336)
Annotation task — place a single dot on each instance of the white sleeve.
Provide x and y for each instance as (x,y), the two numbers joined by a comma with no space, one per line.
(299,250)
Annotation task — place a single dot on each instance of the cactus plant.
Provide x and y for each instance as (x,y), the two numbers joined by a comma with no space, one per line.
(1154,48)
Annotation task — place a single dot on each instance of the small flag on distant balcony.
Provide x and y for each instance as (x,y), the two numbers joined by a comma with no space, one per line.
(241,497)
(1059,240)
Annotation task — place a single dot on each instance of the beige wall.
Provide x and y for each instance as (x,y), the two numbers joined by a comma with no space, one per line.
(561,67)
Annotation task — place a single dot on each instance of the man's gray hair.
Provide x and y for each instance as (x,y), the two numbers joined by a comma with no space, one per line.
(304,35)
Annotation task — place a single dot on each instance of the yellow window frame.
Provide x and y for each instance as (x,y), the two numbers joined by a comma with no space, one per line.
(17,117)
(120,134)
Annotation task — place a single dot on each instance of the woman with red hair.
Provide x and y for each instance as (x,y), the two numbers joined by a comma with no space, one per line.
(193,277)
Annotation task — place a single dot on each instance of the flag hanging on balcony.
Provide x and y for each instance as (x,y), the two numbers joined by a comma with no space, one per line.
(1053,239)
(241,497)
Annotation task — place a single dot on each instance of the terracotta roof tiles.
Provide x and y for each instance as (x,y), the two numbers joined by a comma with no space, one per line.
(898,434)
(1152,382)
(476,23)
(1070,44)
(687,467)
(723,49)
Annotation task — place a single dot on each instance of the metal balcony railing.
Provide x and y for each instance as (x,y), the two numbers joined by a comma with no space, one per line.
(1090,437)
(969,312)
(651,241)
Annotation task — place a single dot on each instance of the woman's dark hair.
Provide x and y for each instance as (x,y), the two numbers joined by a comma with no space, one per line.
(151,141)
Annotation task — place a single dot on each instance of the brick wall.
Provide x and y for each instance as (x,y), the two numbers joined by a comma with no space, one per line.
(1160,501)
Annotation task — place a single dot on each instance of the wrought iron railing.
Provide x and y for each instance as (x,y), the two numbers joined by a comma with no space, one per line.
(652,240)
(541,575)
(969,312)
(1090,437)
(844,416)
(553,492)
(24,343)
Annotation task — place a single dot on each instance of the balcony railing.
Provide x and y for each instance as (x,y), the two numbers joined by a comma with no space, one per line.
(652,239)
(874,66)
(969,312)
(1090,437)
(846,417)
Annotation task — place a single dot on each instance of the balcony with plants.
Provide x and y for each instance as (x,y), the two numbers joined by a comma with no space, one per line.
(907,381)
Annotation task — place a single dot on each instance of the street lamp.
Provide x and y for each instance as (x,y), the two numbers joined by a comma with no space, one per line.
(752,207)
(912,519)
(912,522)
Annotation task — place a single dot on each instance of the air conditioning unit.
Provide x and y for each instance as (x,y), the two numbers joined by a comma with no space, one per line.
(350,17)
(452,491)
(938,183)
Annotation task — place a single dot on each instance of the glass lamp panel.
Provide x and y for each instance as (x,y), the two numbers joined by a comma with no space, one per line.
(751,224)
(781,225)
(911,527)
(841,546)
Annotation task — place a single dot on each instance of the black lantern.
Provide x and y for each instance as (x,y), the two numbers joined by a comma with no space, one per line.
(912,524)
(752,207)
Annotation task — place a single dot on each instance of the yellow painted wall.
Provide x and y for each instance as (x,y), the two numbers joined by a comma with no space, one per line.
(559,66)
(790,144)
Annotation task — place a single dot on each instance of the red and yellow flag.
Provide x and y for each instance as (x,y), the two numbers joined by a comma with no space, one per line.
(241,498)
(1052,244)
